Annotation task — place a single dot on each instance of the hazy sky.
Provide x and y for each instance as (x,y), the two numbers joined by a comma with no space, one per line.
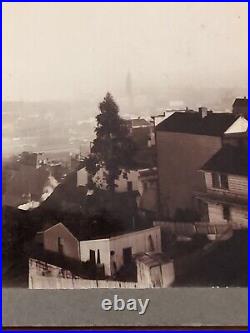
(65,51)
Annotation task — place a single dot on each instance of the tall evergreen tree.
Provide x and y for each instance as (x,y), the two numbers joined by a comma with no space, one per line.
(112,148)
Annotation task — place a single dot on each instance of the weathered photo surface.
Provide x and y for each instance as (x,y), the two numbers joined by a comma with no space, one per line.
(125,129)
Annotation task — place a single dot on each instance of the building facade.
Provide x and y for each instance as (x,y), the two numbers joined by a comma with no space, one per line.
(60,240)
(155,270)
(240,107)
(116,251)
(226,195)
(185,141)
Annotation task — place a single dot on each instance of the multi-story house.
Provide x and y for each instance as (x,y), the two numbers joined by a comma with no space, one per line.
(184,142)
(226,195)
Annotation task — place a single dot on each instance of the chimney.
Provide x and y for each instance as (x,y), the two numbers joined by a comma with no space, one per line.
(203,111)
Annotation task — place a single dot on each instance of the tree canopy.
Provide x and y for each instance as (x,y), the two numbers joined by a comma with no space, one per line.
(112,149)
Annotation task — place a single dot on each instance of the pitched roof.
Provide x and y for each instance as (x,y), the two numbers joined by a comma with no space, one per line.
(240,102)
(138,122)
(229,159)
(214,124)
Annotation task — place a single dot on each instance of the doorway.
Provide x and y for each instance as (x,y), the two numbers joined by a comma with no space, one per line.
(127,255)
(92,257)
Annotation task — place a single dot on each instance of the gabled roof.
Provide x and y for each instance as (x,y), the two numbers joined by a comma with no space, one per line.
(214,124)
(241,102)
(138,122)
(230,160)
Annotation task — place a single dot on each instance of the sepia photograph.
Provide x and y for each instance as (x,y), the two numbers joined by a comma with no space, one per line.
(124,146)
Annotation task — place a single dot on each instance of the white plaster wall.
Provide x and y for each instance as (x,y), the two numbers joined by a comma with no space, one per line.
(146,275)
(103,245)
(168,274)
(82,177)
(138,241)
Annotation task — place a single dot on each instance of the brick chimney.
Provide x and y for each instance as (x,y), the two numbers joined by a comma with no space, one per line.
(203,111)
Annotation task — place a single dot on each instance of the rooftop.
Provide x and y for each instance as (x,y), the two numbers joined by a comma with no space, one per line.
(241,102)
(230,160)
(76,230)
(138,122)
(214,124)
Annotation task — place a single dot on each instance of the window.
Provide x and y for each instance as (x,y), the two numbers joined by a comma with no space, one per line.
(226,212)
(215,180)
(151,243)
(60,245)
(220,180)
(224,181)
(98,257)
(92,257)
(127,255)
(129,186)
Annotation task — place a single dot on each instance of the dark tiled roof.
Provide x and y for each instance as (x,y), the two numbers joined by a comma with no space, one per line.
(240,102)
(214,124)
(229,159)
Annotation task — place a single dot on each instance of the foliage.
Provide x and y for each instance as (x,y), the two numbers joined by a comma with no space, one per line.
(112,149)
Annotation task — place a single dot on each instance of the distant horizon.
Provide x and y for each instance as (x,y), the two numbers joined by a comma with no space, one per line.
(63,51)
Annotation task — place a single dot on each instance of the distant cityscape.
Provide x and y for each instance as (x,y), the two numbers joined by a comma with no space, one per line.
(178,216)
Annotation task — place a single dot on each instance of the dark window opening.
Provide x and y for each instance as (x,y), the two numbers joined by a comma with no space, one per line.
(151,243)
(226,212)
(115,266)
(215,180)
(127,255)
(224,181)
(129,186)
(98,257)
(60,245)
(92,257)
